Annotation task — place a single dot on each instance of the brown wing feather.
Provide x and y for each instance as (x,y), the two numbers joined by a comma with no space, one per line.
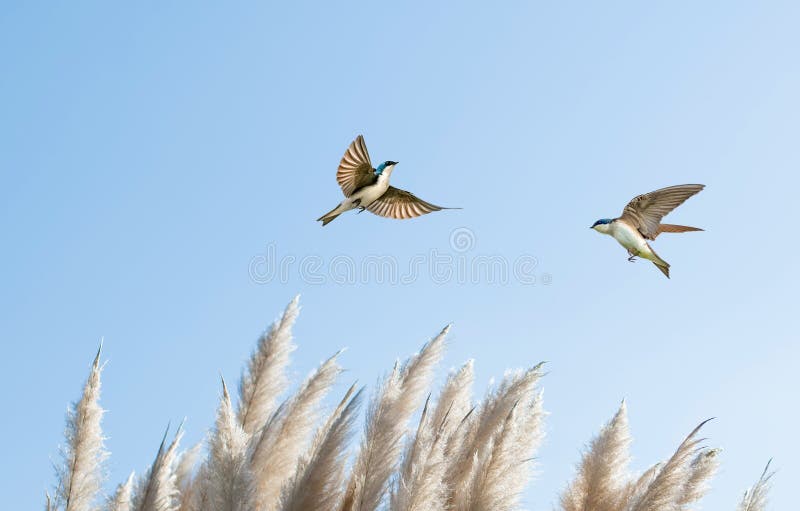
(675,228)
(400,204)
(646,211)
(355,169)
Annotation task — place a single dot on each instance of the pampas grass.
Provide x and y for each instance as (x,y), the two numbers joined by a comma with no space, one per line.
(121,500)
(265,453)
(158,490)
(755,498)
(600,481)
(319,478)
(226,478)
(284,438)
(481,431)
(81,473)
(265,378)
(387,420)
(701,471)
(603,483)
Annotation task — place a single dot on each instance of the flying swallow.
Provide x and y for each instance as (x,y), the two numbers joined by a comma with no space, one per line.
(641,221)
(365,187)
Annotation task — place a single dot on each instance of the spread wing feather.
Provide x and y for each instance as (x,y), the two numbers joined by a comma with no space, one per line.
(676,228)
(355,169)
(400,204)
(646,211)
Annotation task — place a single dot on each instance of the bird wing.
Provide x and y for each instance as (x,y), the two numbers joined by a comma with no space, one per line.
(675,228)
(355,169)
(400,204)
(646,211)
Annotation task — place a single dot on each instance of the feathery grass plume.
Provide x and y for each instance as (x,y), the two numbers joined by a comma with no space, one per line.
(602,472)
(189,499)
(635,489)
(226,476)
(455,401)
(477,430)
(198,496)
(665,490)
(265,377)
(420,485)
(324,430)
(121,500)
(387,421)
(702,470)
(184,480)
(755,498)
(503,465)
(157,490)
(462,457)
(526,437)
(488,490)
(184,466)
(81,472)
(320,475)
(275,452)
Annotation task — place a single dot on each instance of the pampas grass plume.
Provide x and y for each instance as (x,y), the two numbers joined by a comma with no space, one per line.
(276,452)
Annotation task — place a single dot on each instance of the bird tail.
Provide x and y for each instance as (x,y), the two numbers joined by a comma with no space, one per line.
(676,228)
(331,215)
(660,263)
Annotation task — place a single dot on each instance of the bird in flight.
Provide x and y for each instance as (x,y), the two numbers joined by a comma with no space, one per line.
(641,221)
(368,188)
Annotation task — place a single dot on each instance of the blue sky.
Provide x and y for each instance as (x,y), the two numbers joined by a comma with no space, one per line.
(150,153)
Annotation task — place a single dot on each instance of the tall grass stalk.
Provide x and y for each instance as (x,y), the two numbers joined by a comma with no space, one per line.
(272,451)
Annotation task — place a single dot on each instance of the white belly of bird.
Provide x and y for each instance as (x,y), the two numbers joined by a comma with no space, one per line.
(370,194)
(630,238)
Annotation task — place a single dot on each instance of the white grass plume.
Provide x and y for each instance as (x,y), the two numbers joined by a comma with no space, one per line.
(602,471)
(529,436)
(420,485)
(455,401)
(491,485)
(197,498)
(121,500)
(81,472)
(502,463)
(265,377)
(387,421)
(516,386)
(702,470)
(755,498)
(635,489)
(476,433)
(463,457)
(185,464)
(157,490)
(665,490)
(226,478)
(320,475)
(281,442)
(185,480)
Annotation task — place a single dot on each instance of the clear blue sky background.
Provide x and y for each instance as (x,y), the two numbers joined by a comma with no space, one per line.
(148,153)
